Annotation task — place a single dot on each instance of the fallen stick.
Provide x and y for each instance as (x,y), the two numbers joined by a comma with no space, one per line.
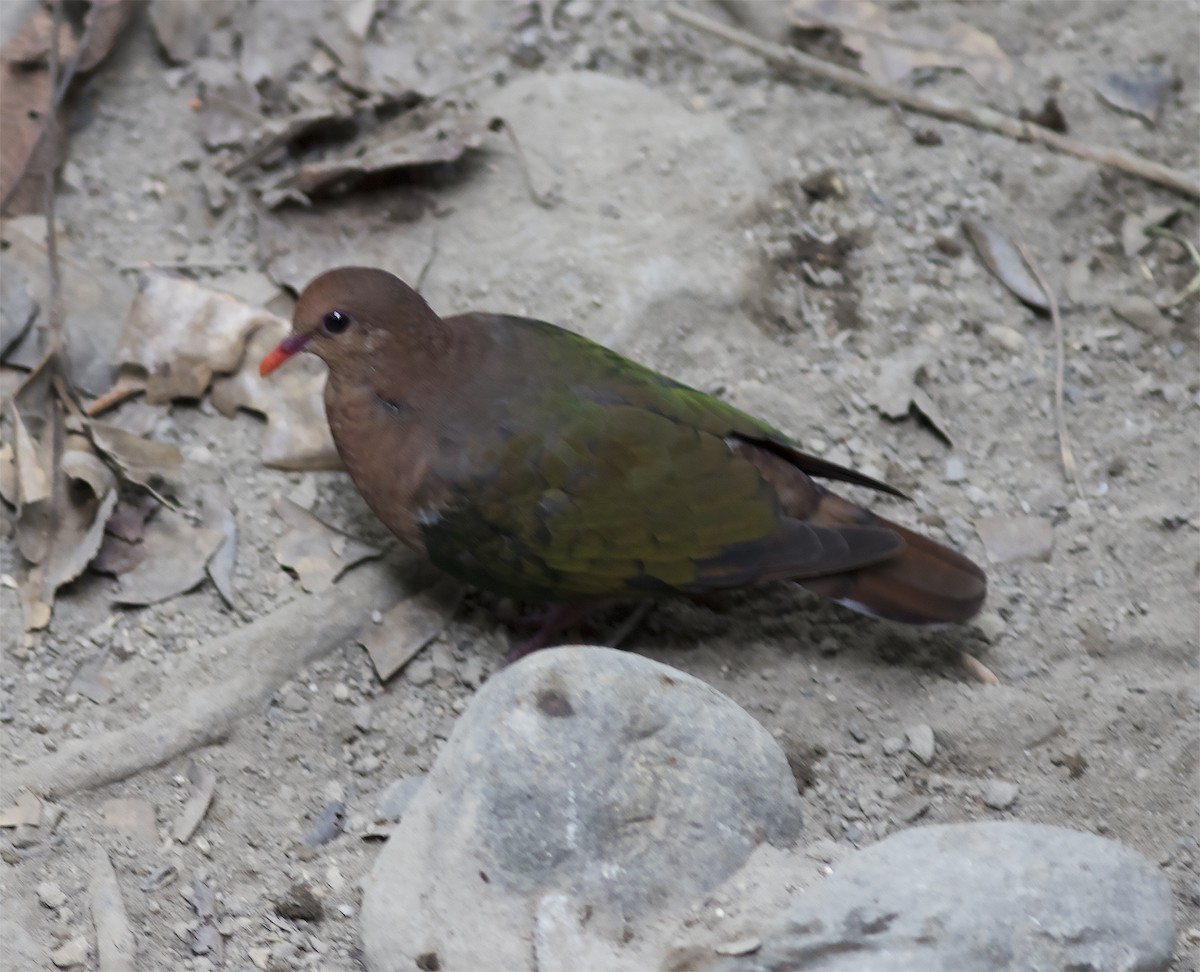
(233,675)
(978,117)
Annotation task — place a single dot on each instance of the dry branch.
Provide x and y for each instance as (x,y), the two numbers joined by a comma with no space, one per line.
(230,677)
(978,117)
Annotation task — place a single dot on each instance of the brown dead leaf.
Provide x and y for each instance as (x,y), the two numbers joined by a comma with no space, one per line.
(180,333)
(31,146)
(297,435)
(1001,256)
(60,534)
(888,55)
(33,479)
(106,21)
(417,138)
(138,460)
(176,558)
(409,626)
(317,552)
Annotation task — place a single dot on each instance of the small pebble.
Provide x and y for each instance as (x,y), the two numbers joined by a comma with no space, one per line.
(74,952)
(920,743)
(300,903)
(51,895)
(892,745)
(1000,794)
(341,692)
(956,472)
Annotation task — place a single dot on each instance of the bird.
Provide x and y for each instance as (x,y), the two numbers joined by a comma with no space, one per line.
(526,460)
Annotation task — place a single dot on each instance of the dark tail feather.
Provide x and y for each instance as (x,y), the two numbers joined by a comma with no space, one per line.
(926,583)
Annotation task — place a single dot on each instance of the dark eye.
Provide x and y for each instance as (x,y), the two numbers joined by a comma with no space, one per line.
(336,322)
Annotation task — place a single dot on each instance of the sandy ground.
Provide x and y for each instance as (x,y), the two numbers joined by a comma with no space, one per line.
(1095,716)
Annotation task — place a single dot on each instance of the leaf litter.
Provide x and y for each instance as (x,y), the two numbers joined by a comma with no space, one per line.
(316,552)
(887,54)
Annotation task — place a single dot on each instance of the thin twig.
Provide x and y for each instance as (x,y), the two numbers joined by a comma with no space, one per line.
(1060,419)
(977,669)
(978,117)
(545,201)
(433,252)
(1192,286)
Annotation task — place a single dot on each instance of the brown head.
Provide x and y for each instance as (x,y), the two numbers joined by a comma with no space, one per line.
(354,317)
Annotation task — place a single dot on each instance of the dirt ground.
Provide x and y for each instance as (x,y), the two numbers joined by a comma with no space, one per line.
(1095,718)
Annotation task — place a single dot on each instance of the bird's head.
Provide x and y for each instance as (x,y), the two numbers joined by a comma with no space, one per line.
(353,317)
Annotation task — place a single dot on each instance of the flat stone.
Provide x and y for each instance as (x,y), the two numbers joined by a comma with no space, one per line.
(996,896)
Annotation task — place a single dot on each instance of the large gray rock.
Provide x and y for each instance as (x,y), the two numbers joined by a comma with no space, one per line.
(984,896)
(583,794)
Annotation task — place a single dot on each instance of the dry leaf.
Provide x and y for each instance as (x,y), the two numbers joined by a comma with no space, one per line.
(418,138)
(896,394)
(1138,94)
(297,435)
(138,460)
(1009,539)
(1133,227)
(8,474)
(33,481)
(93,304)
(176,559)
(217,508)
(317,552)
(30,147)
(106,21)
(18,308)
(179,334)
(61,534)
(888,55)
(409,626)
(1001,257)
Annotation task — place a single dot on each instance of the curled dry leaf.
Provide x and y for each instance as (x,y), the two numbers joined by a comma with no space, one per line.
(137,460)
(1001,256)
(888,55)
(409,626)
(176,559)
(179,334)
(317,552)
(418,138)
(60,534)
(297,435)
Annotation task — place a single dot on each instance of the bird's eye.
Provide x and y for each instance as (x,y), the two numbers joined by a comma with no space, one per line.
(336,322)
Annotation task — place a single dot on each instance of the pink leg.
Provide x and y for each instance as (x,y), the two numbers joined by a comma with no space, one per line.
(553,623)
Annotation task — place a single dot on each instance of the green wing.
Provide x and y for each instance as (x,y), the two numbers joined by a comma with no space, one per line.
(599,477)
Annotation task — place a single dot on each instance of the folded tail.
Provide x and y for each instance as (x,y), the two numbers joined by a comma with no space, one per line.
(925,583)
